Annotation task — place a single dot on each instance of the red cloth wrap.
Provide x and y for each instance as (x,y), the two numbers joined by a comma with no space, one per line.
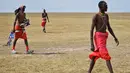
(100,46)
(43,22)
(19,33)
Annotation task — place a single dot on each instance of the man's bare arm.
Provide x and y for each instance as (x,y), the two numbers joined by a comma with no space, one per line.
(91,32)
(15,22)
(48,18)
(111,31)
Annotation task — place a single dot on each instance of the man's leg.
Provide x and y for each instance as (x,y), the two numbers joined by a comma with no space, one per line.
(44,27)
(27,47)
(14,44)
(26,43)
(108,62)
(44,30)
(91,65)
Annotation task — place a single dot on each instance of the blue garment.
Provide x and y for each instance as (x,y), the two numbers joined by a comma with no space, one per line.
(11,36)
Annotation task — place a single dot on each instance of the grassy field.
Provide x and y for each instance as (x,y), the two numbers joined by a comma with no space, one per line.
(66,45)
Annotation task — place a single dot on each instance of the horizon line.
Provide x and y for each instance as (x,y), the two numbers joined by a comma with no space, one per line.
(67,12)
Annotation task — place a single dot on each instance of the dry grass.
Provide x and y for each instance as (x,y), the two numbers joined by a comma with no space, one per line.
(65,46)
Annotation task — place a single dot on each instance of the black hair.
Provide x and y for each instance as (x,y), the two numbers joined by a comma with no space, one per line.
(100,3)
(44,10)
(16,11)
(24,8)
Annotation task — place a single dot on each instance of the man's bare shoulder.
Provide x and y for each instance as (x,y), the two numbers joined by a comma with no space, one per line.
(17,15)
(107,15)
(95,16)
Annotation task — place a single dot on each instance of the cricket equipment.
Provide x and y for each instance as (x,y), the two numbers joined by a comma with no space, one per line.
(10,38)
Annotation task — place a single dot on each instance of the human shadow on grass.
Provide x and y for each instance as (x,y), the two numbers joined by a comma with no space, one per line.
(54,32)
(38,53)
(48,53)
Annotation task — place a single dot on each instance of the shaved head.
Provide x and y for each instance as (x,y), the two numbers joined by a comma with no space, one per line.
(102,6)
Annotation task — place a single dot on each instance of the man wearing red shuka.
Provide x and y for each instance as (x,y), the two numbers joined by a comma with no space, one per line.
(98,43)
(44,19)
(19,29)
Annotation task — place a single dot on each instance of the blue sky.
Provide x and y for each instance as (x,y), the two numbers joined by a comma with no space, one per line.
(64,5)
